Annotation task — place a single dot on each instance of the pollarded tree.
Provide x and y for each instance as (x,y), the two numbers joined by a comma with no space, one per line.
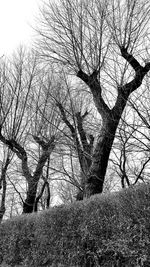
(83,144)
(28,124)
(75,113)
(78,133)
(105,44)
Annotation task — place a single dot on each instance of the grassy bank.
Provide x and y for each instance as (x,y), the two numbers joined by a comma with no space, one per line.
(101,231)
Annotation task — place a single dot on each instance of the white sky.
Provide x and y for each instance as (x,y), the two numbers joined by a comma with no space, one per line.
(16,18)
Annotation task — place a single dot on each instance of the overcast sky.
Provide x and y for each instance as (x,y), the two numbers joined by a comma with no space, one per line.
(16,18)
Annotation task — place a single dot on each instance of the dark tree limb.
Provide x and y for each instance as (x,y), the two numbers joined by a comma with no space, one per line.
(91,140)
(130,59)
(72,130)
(96,90)
(48,148)
(81,131)
(39,197)
(20,152)
(141,171)
(140,71)
(66,121)
(3,186)
(48,196)
(42,143)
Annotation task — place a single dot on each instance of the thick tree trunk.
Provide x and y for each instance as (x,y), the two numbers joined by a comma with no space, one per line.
(3,186)
(100,158)
(28,205)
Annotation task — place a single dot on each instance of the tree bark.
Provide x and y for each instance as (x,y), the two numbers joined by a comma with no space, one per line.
(39,196)
(28,205)
(3,186)
(100,158)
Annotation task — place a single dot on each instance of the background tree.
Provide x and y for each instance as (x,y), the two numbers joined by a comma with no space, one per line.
(105,44)
(28,123)
(75,112)
(129,159)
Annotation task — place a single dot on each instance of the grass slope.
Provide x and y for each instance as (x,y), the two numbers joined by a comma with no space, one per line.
(105,230)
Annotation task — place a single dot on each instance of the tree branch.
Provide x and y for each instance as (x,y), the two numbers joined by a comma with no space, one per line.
(137,81)
(64,118)
(142,169)
(82,131)
(130,59)
(20,152)
(42,143)
(39,196)
(48,195)
(139,70)
(83,76)
(4,170)
(48,148)
(70,126)
(96,91)
(91,139)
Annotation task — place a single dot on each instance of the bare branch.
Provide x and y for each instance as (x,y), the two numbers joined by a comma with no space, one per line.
(130,58)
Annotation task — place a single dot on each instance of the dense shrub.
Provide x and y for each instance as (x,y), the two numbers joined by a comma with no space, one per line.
(104,230)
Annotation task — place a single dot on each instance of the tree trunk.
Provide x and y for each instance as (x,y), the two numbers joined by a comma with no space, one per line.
(28,205)
(3,186)
(85,167)
(39,196)
(100,157)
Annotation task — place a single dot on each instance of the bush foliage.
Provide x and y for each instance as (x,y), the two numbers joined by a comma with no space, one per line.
(105,230)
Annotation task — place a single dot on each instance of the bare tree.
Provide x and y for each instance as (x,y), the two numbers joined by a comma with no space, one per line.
(82,139)
(28,127)
(105,44)
(129,157)
(77,129)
